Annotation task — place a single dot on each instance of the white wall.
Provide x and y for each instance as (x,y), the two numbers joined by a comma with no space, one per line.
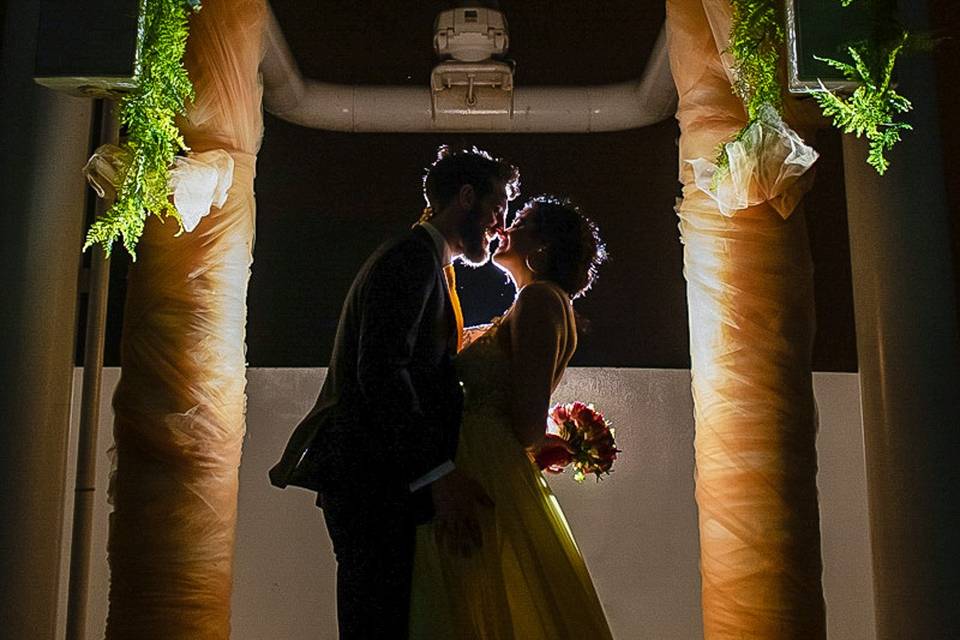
(637,529)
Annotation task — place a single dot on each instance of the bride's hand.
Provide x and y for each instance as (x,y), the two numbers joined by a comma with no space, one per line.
(551,453)
(457,499)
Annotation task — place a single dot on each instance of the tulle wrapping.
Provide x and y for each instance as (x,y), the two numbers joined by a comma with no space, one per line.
(762,167)
(750,297)
(180,402)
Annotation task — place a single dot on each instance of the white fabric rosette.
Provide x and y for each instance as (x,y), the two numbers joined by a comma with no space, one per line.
(199,181)
(763,165)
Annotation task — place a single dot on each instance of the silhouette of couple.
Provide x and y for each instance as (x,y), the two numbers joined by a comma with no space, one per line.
(421,444)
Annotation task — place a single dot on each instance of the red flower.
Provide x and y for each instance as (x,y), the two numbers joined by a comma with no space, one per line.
(559,414)
(581,412)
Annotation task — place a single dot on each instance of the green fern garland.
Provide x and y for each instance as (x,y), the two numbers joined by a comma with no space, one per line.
(756,38)
(148,114)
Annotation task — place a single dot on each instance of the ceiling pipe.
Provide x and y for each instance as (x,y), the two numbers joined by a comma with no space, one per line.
(405,109)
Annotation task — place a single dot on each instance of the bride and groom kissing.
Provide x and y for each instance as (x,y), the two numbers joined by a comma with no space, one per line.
(422,444)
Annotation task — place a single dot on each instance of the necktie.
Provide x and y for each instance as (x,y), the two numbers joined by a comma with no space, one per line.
(454,302)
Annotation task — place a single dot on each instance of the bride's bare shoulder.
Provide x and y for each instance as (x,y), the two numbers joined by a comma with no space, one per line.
(539,300)
(542,293)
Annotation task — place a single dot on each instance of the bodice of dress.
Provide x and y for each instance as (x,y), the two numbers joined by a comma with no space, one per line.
(484,368)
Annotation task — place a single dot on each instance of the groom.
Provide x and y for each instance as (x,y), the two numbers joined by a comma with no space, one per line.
(379,444)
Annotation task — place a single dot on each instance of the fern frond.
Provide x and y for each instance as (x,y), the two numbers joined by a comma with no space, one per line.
(870,110)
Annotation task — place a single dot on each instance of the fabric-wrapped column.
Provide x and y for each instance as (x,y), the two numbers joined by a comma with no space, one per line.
(180,402)
(750,296)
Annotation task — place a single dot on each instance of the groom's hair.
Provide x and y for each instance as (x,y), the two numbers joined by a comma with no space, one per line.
(453,169)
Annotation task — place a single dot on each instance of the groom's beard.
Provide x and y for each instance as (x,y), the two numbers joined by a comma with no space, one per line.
(473,236)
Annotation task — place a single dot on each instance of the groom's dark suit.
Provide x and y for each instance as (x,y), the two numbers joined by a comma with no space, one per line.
(388,413)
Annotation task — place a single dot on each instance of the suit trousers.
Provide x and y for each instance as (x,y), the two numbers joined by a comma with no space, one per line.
(373,536)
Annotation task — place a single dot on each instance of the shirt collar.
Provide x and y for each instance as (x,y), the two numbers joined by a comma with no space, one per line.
(443,248)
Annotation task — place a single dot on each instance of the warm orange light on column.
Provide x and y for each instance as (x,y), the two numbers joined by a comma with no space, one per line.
(180,403)
(750,299)
(749,291)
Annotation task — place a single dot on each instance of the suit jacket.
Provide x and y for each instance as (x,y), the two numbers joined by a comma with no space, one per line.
(389,410)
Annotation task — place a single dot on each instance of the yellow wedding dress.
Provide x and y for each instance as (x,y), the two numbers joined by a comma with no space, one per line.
(529,581)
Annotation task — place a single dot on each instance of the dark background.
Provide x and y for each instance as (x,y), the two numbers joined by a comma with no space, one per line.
(326,200)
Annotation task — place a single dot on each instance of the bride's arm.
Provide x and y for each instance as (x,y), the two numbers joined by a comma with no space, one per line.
(536,326)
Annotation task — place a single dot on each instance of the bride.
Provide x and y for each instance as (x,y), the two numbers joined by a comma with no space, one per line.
(528,579)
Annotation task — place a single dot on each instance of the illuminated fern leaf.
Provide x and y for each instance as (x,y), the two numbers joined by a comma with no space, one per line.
(870,110)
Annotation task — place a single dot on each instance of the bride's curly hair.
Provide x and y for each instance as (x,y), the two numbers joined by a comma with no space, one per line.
(573,250)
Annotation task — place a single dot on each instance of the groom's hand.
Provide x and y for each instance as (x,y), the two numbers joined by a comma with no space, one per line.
(457,500)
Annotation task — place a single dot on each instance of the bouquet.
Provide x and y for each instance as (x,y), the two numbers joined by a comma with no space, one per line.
(578,435)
